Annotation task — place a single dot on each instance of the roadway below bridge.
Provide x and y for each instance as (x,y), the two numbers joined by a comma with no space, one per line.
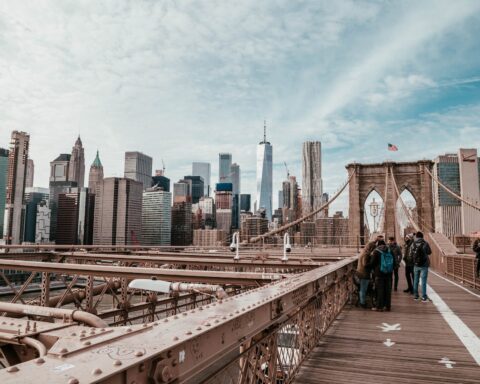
(434,342)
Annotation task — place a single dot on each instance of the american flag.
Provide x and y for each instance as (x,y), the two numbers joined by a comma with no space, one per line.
(392,147)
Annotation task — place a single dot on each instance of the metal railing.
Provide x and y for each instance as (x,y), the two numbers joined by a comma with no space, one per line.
(446,259)
(275,355)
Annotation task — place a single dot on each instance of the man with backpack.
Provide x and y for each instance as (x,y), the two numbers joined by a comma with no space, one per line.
(397,258)
(420,252)
(476,249)
(382,263)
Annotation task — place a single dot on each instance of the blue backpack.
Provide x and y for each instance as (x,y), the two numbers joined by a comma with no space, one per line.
(386,261)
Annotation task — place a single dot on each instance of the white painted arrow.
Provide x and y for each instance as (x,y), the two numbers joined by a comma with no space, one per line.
(389,343)
(448,363)
(387,327)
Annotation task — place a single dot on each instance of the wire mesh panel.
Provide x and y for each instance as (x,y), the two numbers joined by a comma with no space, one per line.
(275,355)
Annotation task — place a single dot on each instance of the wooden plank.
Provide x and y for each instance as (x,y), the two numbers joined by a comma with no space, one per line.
(353,349)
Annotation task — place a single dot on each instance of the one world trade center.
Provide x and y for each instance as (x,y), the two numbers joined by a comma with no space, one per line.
(264,175)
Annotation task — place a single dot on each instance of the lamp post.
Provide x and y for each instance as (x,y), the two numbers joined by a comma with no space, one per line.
(235,245)
(374,212)
(286,246)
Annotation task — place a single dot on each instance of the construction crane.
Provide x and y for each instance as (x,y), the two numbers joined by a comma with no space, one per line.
(288,172)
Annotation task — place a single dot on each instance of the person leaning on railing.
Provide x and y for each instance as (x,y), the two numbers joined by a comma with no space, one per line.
(476,249)
(364,272)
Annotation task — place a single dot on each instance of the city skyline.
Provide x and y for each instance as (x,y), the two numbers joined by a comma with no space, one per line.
(354,76)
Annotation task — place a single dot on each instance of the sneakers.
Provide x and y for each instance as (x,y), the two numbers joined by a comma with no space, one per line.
(407,291)
(416,298)
(425,300)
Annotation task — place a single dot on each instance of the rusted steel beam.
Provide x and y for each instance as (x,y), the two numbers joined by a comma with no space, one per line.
(292,264)
(45,289)
(216,277)
(184,348)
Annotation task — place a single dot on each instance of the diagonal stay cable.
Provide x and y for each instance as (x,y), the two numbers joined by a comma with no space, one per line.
(404,207)
(451,192)
(306,217)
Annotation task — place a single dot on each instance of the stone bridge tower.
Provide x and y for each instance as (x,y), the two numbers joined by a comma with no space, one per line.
(408,175)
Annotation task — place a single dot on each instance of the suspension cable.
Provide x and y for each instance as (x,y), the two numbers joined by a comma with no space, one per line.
(404,207)
(306,217)
(451,192)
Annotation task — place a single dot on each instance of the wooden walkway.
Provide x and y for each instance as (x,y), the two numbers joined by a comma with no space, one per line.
(359,348)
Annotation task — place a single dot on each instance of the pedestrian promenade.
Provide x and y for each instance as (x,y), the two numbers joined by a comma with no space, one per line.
(434,342)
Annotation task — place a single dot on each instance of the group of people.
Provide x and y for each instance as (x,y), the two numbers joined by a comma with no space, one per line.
(378,267)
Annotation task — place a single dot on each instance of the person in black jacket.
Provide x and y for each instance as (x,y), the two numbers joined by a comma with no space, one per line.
(383,281)
(408,259)
(476,249)
(420,253)
(397,255)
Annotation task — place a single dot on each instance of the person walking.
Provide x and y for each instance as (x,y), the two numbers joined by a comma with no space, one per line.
(476,249)
(397,256)
(364,272)
(382,263)
(408,260)
(420,252)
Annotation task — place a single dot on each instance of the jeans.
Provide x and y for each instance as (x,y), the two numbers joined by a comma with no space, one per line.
(383,285)
(409,276)
(417,272)
(362,293)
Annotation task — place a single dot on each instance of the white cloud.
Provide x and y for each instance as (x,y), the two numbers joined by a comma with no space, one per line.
(184,81)
(393,88)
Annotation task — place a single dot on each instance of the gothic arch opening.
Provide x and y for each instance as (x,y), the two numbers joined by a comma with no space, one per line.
(402,214)
(373,209)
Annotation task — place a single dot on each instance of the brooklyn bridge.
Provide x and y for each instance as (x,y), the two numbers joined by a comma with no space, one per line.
(133,314)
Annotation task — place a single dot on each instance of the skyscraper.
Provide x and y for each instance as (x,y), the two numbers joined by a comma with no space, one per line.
(461,173)
(312,187)
(138,167)
(182,191)
(235,176)
(197,187)
(59,183)
(224,164)
(182,230)
(30,174)
(161,181)
(95,176)
(290,198)
(207,206)
(14,201)
(3,185)
(156,217)
(203,170)
(224,205)
(33,196)
(118,212)
(76,169)
(245,202)
(74,216)
(264,175)
(42,226)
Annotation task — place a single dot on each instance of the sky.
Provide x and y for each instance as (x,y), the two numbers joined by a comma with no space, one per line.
(185,80)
